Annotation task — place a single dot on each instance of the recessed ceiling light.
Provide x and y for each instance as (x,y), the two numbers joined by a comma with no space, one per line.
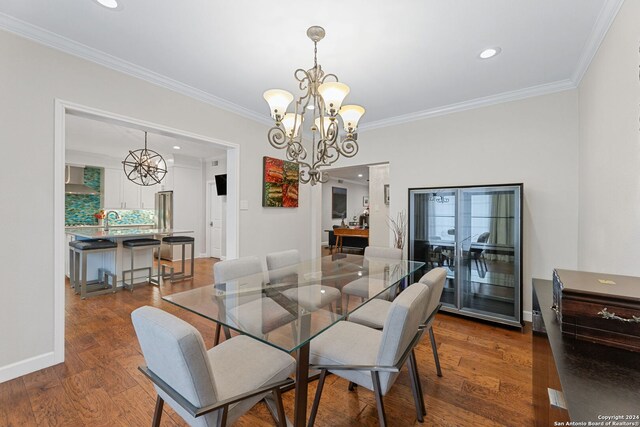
(359,175)
(109,4)
(310,107)
(176,147)
(490,53)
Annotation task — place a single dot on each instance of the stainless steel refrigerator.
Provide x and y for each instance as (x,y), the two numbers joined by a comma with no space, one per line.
(164,218)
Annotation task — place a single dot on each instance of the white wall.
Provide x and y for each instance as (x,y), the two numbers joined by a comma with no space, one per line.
(355,193)
(610,151)
(31,78)
(533,141)
(378,211)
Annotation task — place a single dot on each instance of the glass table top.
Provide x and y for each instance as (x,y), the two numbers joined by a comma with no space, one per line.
(287,307)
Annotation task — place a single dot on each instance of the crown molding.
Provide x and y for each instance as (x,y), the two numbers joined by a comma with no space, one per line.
(55,41)
(600,29)
(515,95)
(605,18)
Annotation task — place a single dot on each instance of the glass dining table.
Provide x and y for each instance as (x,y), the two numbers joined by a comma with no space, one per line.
(287,307)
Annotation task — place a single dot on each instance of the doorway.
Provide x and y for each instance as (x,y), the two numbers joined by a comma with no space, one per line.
(216,224)
(63,109)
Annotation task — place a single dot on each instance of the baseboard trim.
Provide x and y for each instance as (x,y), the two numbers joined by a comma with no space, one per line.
(26,366)
(527,316)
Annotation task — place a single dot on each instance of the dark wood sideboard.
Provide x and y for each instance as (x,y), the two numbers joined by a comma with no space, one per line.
(596,381)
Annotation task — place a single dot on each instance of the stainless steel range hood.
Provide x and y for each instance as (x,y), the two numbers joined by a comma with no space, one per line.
(74,181)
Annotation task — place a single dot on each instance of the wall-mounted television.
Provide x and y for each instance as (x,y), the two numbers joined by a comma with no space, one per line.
(221,184)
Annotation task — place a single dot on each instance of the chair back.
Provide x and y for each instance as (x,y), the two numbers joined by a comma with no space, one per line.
(226,270)
(435,280)
(174,351)
(249,268)
(382,252)
(400,327)
(282,265)
(484,237)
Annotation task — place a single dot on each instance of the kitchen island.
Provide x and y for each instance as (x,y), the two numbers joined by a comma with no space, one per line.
(118,234)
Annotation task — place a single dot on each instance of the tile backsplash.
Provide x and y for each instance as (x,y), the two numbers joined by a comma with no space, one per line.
(80,208)
(133,217)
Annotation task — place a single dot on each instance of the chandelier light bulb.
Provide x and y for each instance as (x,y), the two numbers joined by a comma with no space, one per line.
(333,93)
(278,101)
(289,120)
(351,115)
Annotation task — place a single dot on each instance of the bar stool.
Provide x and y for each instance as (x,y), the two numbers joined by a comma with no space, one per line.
(136,245)
(78,252)
(182,241)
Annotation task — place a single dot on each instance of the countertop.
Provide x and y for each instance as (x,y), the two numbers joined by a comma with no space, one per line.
(596,380)
(119,232)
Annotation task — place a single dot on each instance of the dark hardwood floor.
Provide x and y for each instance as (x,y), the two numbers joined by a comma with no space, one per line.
(486,374)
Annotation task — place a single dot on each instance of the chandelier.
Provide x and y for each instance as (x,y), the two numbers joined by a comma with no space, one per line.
(144,167)
(322,96)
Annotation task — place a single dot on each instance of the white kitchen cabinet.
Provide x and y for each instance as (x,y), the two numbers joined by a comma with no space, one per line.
(130,194)
(120,193)
(112,198)
(148,196)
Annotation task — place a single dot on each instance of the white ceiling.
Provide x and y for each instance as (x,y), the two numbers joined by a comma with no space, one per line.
(402,59)
(350,173)
(94,136)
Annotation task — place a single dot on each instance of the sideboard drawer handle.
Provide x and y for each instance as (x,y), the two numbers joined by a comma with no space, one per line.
(608,315)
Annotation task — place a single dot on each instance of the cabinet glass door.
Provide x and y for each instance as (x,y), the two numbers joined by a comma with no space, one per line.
(432,235)
(489,245)
(475,233)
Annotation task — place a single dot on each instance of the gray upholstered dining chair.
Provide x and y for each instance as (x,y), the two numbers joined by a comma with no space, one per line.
(373,358)
(254,310)
(363,286)
(282,267)
(374,313)
(208,388)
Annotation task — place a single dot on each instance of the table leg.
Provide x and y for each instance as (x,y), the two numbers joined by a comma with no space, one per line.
(302,383)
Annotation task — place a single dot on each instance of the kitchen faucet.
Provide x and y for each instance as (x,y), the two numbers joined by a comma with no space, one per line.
(106,219)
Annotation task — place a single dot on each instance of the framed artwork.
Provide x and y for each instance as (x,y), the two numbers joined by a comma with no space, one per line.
(280,182)
(338,203)
(365,201)
(386,194)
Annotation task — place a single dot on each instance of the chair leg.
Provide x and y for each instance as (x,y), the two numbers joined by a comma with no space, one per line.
(416,372)
(282,419)
(216,340)
(434,347)
(222,418)
(316,400)
(415,389)
(227,332)
(377,389)
(157,414)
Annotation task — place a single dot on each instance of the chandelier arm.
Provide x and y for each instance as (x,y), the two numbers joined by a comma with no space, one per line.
(330,75)
(277,137)
(348,147)
(304,81)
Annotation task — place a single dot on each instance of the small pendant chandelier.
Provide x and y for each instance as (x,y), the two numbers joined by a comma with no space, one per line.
(144,167)
(322,96)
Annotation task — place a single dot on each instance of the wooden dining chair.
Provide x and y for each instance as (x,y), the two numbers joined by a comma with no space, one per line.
(373,358)
(208,388)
